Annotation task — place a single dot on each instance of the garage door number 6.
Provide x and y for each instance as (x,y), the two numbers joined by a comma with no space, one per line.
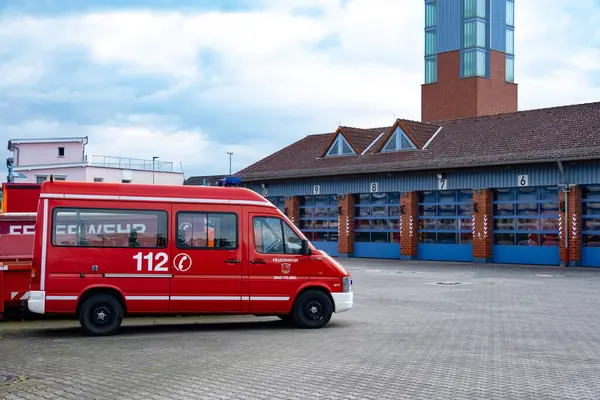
(161,259)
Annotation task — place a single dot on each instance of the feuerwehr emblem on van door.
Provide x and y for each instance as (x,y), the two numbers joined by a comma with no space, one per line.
(286,268)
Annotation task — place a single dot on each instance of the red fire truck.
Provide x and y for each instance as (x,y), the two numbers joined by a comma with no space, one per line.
(105,250)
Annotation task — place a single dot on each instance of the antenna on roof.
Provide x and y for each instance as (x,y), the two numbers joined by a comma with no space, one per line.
(182,173)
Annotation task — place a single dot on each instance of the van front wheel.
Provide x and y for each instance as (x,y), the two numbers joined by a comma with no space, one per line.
(312,309)
(101,315)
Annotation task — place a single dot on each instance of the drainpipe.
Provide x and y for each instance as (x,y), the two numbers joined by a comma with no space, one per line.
(566,221)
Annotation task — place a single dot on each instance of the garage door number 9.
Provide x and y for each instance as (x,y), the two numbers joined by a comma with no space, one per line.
(160,258)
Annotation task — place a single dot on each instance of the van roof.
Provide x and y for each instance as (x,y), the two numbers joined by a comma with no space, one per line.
(151,193)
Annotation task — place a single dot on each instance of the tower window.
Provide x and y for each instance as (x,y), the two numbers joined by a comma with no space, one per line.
(431,69)
(474,8)
(474,63)
(61,151)
(510,69)
(474,34)
(430,14)
(510,41)
(510,13)
(430,42)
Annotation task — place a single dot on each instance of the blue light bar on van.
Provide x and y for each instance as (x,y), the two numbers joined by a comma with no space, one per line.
(229,181)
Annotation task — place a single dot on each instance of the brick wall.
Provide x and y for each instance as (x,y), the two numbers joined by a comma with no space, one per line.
(482,234)
(455,97)
(495,95)
(346,226)
(408,237)
(291,205)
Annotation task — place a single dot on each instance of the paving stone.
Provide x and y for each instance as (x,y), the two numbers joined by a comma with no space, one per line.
(504,333)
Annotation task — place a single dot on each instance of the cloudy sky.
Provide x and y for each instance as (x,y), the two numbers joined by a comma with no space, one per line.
(189,80)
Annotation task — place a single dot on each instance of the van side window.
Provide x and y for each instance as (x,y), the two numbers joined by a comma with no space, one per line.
(201,230)
(87,227)
(274,236)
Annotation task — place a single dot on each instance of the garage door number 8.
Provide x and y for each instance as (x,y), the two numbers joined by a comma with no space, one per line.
(160,258)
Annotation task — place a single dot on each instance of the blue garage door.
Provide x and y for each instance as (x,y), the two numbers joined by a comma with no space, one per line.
(445,225)
(590,235)
(319,221)
(377,225)
(526,225)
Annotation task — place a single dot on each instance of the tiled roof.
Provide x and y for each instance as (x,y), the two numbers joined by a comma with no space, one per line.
(209,180)
(565,132)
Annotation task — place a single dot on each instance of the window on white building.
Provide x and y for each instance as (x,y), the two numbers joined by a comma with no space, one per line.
(61,151)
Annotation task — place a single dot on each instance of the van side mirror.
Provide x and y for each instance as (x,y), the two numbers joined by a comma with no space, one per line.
(305,249)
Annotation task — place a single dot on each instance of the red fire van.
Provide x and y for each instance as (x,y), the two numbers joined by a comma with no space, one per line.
(106,250)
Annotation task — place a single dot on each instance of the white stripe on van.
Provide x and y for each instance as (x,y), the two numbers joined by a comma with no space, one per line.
(208,298)
(138,275)
(20,214)
(192,298)
(146,297)
(155,199)
(63,298)
(268,298)
(44,246)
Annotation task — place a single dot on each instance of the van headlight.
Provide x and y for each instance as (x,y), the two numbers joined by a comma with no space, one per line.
(346,284)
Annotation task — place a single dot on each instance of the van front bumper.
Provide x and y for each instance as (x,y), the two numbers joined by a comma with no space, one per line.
(37,301)
(343,301)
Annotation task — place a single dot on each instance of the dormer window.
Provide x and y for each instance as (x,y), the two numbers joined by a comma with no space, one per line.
(340,147)
(61,151)
(398,141)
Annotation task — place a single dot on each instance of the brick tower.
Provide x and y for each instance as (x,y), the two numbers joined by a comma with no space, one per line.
(469,59)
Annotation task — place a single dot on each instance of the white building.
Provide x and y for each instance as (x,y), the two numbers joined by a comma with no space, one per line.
(34,160)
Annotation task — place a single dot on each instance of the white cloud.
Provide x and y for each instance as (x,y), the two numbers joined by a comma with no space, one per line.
(269,61)
(145,136)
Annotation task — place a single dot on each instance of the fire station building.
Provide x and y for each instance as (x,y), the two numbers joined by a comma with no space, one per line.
(475,180)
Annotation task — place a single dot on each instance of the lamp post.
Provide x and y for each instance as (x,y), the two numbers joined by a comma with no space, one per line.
(230,154)
(153,158)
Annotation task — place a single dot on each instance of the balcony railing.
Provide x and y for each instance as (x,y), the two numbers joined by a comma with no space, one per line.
(130,163)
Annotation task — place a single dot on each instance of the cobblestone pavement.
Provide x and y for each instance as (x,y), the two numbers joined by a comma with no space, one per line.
(504,333)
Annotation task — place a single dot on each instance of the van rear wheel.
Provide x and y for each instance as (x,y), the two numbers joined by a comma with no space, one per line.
(101,315)
(312,309)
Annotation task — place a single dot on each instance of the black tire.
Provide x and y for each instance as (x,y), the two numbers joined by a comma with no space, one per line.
(312,309)
(101,315)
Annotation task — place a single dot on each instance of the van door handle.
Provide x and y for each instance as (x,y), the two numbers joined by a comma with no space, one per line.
(259,261)
(232,261)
